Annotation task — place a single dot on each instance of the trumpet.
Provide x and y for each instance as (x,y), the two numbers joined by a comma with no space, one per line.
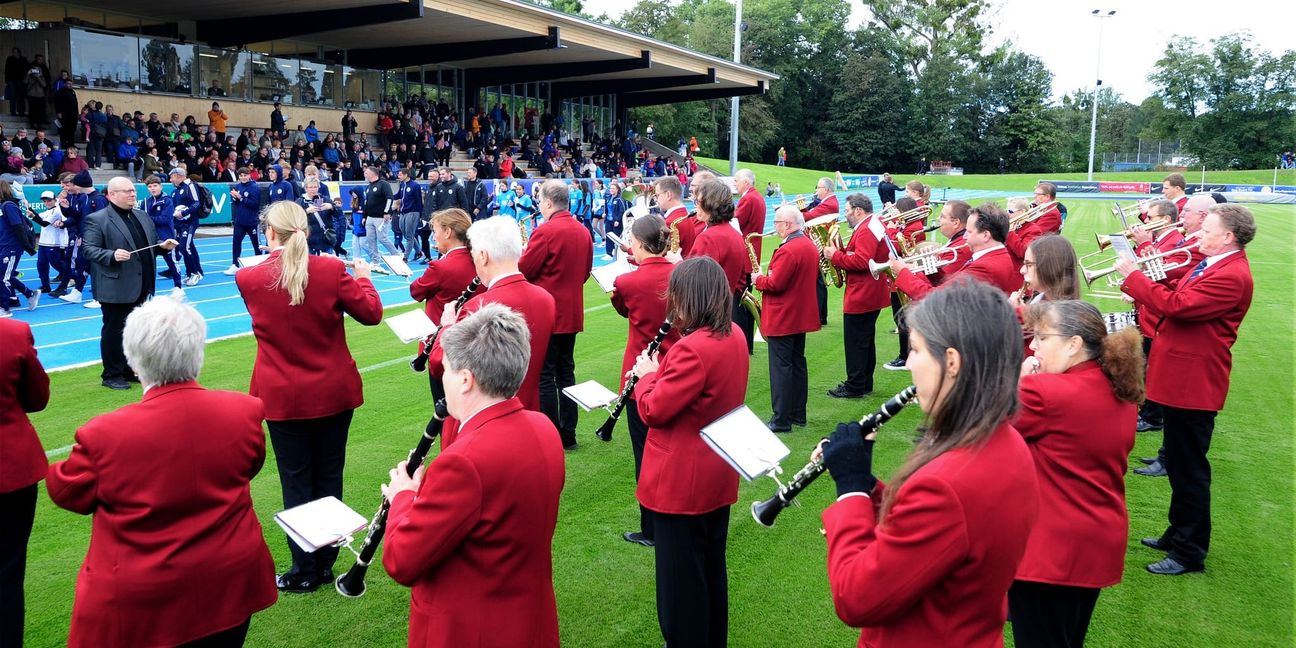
(604,433)
(1155,266)
(892,216)
(1118,210)
(927,258)
(1153,227)
(766,511)
(1030,215)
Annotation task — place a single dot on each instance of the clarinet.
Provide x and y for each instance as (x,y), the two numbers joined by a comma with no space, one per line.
(765,512)
(419,363)
(351,584)
(604,432)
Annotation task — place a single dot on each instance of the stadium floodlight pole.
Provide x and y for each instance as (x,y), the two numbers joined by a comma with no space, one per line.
(1093,123)
(733,101)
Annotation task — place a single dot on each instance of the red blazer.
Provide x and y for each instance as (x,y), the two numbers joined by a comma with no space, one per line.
(443,281)
(1080,435)
(558,257)
(825,207)
(750,214)
(995,268)
(24,387)
(1050,222)
(688,228)
(476,542)
(1020,239)
(303,368)
(937,571)
(176,552)
(537,307)
(1148,322)
(1191,360)
(640,296)
(724,244)
(864,292)
(703,378)
(788,290)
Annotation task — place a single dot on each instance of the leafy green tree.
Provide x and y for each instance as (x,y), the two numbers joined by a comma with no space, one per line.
(865,130)
(931,29)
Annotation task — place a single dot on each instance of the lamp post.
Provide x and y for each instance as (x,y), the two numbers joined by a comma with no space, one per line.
(1093,124)
(733,101)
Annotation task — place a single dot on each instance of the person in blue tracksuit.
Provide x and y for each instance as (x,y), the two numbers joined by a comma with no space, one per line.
(280,188)
(409,197)
(187,202)
(13,244)
(162,211)
(614,209)
(246,199)
(80,200)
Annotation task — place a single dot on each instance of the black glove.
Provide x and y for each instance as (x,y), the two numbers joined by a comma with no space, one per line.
(849,459)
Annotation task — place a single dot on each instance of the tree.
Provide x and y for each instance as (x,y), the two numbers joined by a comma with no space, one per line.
(930,29)
(1017,88)
(866,127)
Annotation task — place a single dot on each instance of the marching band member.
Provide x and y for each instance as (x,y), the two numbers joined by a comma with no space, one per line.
(686,485)
(786,317)
(866,295)
(24,388)
(824,203)
(310,392)
(1174,188)
(1079,395)
(749,214)
(1050,222)
(1049,271)
(640,297)
(722,242)
(495,250)
(669,191)
(176,552)
(558,258)
(987,226)
(472,532)
(919,192)
(927,559)
(447,277)
(1188,371)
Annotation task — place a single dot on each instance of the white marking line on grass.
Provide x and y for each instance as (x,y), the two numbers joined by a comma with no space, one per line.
(57,452)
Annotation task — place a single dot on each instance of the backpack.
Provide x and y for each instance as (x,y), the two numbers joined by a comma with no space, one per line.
(206,203)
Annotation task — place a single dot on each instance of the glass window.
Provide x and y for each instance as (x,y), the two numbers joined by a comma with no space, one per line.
(271,79)
(361,88)
(224,73)
(105,60)
(318,83)
(166,66)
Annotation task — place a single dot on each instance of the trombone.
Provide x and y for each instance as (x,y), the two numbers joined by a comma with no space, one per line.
(1118,210)
(1155,266)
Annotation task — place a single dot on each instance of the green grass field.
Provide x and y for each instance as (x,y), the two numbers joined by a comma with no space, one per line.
(778,588)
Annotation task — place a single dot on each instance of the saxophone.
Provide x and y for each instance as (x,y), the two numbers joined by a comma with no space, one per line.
(748,297)
(675,236)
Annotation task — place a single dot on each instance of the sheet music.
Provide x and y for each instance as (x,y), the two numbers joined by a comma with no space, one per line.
(397,264)
(742,439)
(606,275)
(320,523)
(1121,246)
(411,326)
(249,261)
(590,395)
(612,236)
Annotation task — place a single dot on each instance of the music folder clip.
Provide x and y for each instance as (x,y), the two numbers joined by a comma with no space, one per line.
(744,441)
(397,264)
(324,522)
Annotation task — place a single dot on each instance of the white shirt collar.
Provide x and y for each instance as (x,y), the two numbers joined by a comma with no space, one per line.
(1212,260)
(978,255)
(496,279)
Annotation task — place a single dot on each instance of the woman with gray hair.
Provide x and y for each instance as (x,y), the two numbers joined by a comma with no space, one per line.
(474,536)
(176,552)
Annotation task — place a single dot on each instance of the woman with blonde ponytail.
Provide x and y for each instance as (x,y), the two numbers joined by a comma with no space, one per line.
(304,373)
(1079,397)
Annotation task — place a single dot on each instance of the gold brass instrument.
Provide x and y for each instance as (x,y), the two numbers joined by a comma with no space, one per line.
(675,236)
(801,202)
(891,216)
(749,299)
(1154,227)
(1030,215)
(823,232)
(1155,266)
(1118,210)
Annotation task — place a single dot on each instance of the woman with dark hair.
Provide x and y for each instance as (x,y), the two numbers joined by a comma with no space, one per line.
(1049,270)
(927,559)
(688,487)
(722,242)
(1079,397)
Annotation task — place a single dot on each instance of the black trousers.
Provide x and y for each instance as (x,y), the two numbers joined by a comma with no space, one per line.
(821,294)
(1187,439)
(558,372)
(310,454)
(859,335)
(902,330)
(743,318)
(110,339)
(1150,411)
(241,231)
(692,582)
(232,638)
(1050,616)
(789,380)
(17,511)
(639,436)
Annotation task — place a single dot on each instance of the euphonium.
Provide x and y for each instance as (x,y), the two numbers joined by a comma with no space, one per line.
(891,216)
(822,239)
(1154,266)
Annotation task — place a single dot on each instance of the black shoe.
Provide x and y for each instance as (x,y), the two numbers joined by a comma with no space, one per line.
(132,378)
(295,584)
(896,365)
(115,383)
(801,423)
(1154,543)
(840,391)
(571,447)
(1144,425)
(775,427)
(57,293)
(1154,469)
(637,538)
(326,576)
(1148,461)
(166,273)
(1172,567)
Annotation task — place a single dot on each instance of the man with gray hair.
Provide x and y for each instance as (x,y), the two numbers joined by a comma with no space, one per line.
(495,250)
(824,204)
(787,292)
(558,258)
(749,214)
(473,536)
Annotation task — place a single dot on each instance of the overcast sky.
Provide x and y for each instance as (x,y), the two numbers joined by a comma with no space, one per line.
(1064,34)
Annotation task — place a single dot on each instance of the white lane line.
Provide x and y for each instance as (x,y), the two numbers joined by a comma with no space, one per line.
(57,452)
(384,364)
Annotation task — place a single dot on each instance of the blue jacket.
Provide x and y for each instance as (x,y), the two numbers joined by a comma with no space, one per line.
(332,156)
(410,196)
(162,211)
(312,134)
(188,199)
(614,211)
(11,218)
(247,211)
(80,206)
(281,190)
(127,151)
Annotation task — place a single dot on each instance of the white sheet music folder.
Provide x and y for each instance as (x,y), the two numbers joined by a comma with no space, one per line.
(590,395)
(411,326)
(249,261)
(742,439)
(397,264)
(606,275)
(321,523)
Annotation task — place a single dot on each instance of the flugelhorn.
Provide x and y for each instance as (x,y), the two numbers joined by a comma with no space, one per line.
(1153,227)
(1155,266)
(1030,215)
(765,512)
(419,363)
(351,584)
(604,433)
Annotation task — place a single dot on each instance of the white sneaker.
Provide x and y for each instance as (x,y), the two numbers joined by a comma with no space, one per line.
(4,312)
(192,280)
(178,293)
(91,304)
(72,296)
(33,300)
(231,270)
